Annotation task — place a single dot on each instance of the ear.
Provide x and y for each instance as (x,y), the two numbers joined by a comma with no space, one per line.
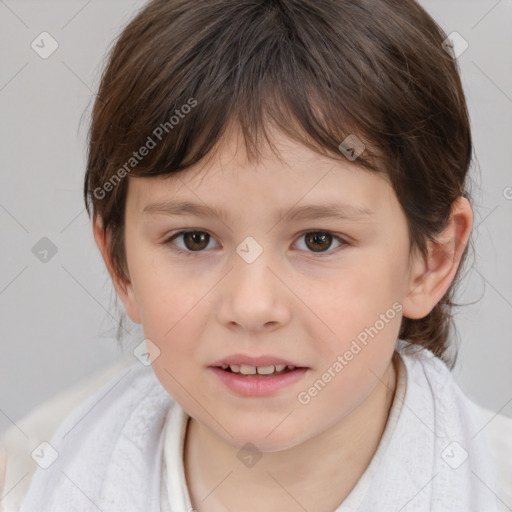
(123,287)
(431,277)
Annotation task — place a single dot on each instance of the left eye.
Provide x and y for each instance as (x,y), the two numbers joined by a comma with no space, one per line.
(196,241)
(322,240)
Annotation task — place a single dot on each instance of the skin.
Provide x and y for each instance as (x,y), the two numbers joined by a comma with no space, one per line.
(294,301)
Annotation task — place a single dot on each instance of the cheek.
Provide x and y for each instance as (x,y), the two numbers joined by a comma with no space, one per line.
(176,329)
(160,289)
(170,306)
(363,311)
(360,294)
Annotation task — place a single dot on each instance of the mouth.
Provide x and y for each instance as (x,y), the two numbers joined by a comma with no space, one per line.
(258,381)
(258,371)
(262,375)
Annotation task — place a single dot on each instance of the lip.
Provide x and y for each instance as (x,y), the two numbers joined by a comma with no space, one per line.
(258,385)
(263,360)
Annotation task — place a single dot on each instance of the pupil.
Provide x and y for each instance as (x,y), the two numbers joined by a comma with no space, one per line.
(196,237)
(319,238)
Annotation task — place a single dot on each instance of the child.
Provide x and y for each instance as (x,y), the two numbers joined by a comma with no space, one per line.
(230,141)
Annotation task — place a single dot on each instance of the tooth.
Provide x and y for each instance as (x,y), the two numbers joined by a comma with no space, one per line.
(247,370)
(260,370)
(265,370)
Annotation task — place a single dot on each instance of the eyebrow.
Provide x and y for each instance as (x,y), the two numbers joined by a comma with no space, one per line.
(336,210)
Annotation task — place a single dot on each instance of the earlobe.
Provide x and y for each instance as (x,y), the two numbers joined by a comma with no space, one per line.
(431,276)
(123,287)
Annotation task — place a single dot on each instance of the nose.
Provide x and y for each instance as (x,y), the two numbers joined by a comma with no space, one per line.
(253,298)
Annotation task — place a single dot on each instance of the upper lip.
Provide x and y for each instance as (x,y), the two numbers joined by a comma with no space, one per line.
(264,360)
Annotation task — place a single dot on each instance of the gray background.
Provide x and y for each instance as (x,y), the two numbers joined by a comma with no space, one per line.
(56,317)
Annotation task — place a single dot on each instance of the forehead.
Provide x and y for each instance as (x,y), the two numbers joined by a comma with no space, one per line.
(287,175)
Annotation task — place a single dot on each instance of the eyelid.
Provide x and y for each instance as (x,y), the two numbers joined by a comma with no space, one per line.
(170,238)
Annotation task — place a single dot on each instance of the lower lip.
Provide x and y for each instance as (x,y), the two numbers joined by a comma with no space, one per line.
(257,385)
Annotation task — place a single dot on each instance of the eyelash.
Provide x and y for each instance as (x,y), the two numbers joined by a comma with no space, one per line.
(169,241)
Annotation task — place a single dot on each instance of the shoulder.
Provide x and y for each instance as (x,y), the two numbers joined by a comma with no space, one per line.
(19,442)
(499,432)
(424,367)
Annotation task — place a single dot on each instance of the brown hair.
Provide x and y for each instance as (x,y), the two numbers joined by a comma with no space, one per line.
(319,70)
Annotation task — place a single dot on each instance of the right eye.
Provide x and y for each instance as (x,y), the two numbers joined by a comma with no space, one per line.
(193,241)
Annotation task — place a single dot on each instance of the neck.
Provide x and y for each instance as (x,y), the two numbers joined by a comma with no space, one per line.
(292,479)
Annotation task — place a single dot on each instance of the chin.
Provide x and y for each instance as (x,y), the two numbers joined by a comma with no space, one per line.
(262,434)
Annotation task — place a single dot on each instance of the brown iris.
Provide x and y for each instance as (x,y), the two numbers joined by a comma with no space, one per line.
(196,240)
(318,240)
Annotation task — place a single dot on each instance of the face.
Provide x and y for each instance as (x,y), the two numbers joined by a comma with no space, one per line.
(258,276)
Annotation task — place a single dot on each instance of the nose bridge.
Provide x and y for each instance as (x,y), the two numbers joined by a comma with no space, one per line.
(251,269)
(254,296)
